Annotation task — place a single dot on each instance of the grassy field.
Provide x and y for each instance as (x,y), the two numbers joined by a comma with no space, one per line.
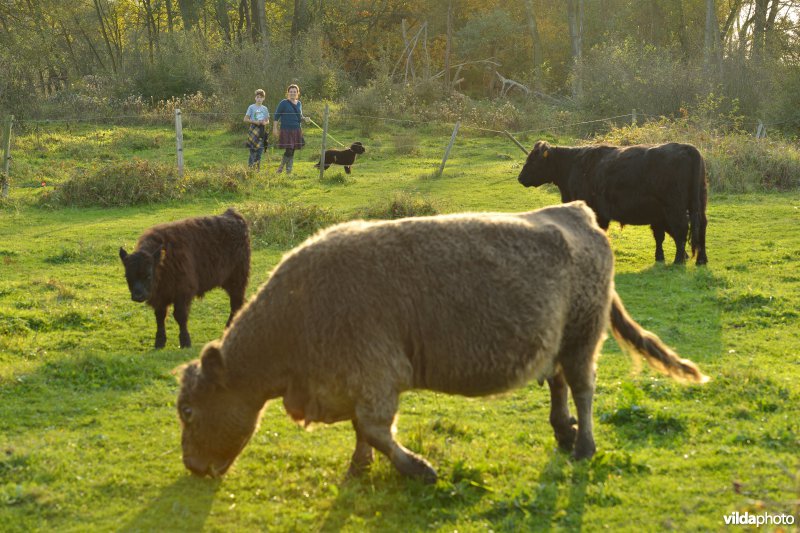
(89,438)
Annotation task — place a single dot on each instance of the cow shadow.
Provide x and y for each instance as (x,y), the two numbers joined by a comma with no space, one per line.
(679,304)
(388,500)
(556,501)
(92,382)
(182,506)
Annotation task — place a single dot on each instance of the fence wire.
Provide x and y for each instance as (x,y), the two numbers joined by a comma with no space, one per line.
(430,154)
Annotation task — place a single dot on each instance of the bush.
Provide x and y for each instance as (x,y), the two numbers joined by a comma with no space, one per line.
(735,162)
(285,224)
(618,77)
(179,68)
(239,70)
(401,205)
(136,182)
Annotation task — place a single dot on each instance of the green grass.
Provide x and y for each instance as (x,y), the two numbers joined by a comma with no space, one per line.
(89,438)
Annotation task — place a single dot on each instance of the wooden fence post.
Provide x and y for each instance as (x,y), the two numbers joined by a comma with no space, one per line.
(449,146)
(516,142)
(6,177)
(179,141)
(322,150)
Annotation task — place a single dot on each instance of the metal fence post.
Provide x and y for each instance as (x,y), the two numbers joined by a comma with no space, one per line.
(179,141)
(6,177)
(324,136)
(449,146)
(516,142)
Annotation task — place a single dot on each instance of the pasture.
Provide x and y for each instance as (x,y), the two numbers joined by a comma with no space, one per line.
(89,437)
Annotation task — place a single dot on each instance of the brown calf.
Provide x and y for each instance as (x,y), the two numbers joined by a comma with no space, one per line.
(177,261)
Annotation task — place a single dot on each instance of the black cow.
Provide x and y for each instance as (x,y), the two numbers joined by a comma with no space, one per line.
(663,186)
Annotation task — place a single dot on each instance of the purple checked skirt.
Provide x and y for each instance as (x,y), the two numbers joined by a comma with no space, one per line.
(291,139)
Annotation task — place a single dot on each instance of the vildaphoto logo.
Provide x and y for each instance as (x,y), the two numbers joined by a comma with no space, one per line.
(761,519)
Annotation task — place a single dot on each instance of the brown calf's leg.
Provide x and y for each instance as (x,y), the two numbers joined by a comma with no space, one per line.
(375,423)
(181,315)
(362,456)
(236,297)
(161,330)
(563,424)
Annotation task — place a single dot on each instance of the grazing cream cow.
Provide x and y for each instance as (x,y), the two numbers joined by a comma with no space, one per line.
(470,304)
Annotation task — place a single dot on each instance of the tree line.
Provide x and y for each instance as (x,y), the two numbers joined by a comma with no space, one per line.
(575,52)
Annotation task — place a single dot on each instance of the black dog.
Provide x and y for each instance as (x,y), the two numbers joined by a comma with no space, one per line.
(343,157)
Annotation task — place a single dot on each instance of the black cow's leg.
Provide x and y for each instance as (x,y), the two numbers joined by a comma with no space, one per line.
(581,379)
(679,230)
(658,235)
(374,421)
(161,330)
(563,424)
(362,456)
(347,169)
(181,315)
(700,245)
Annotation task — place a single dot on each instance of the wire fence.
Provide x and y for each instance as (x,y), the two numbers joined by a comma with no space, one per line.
(185,147)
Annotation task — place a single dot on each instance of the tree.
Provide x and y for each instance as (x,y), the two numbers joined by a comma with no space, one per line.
(712,58)
(575,18)
(190,13)
(537,43)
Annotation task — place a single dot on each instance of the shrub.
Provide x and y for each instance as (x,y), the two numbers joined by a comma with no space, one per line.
(136,182)
(406,143)
(119,184)
(620,76)
(401,205)
(735,162)
(285,224)
(179,68)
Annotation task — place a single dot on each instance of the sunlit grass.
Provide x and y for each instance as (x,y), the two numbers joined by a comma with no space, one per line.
(89,438)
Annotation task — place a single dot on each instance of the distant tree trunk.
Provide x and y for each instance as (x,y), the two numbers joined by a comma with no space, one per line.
(299,25)
(537,44)
(733,15)
(759,29)
(682,36)
(447,81)
(712,56)
(152,29)
(575,16)
(300,18)
(258,18)
(244,21)
(224,21)
(189,13)
(769,33)
(80,66)
(170,15)
(101,20)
